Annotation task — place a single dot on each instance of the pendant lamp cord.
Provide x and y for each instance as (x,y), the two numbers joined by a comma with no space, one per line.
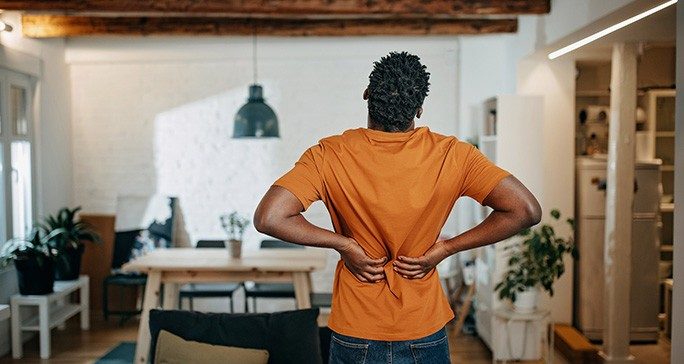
(254,54)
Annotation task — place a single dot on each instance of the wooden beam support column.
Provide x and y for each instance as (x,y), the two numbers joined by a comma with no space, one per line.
(619,205)
(50,26)
(301,7)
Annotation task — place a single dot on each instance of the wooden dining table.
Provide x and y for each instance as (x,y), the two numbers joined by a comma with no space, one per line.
(177,266)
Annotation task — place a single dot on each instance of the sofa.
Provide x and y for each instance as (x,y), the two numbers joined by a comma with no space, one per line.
(273,338)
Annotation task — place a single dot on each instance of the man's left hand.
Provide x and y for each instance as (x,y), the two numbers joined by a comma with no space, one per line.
(415,268)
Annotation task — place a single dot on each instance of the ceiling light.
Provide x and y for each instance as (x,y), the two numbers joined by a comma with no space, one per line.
(604,32)
(255,118)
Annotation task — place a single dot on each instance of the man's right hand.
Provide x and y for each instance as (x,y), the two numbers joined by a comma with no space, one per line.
(363,267)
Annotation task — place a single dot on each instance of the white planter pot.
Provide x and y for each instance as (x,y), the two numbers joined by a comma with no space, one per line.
(526,301)
(234,248)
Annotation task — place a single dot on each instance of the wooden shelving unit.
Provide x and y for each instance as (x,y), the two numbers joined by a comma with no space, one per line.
(660,106)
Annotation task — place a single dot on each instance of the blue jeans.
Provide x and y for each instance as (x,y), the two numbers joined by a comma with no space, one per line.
(431,349)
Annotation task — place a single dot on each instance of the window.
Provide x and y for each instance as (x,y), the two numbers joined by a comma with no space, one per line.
(16,155)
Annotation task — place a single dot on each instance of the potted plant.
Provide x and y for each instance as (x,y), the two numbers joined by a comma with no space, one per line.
(234,225)
(66,236)
(34,262)
(535,263)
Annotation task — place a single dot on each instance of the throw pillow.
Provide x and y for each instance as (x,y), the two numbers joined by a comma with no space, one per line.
(172,349)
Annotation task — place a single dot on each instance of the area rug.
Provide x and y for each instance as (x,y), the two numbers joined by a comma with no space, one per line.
(124,353)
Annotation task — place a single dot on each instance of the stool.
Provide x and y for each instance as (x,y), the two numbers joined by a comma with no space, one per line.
(508,316)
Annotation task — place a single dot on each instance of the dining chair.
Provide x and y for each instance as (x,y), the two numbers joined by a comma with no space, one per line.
(123,243)
(270,290)
(208,290)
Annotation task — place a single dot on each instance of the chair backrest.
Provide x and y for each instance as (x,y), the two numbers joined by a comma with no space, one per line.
(272,243)
(210,244)
(123,244)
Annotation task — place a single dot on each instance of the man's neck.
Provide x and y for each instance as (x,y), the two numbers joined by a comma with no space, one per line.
(375,126)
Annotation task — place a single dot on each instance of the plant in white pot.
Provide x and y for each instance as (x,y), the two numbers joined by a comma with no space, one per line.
(535,263)
(234,225)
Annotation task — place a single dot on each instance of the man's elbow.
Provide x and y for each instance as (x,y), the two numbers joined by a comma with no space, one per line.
(262,221)
(532,212)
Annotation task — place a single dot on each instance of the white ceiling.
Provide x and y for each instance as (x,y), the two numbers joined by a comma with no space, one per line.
(657,28)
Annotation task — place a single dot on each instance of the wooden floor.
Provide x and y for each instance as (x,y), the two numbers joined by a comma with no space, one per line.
(74,346)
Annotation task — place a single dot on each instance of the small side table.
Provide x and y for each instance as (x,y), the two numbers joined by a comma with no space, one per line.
(539,317)
(53,311)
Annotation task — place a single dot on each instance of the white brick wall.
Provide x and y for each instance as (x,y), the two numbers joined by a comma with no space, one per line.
(156,115)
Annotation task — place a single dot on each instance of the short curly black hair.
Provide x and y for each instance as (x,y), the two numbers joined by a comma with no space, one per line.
(397,88)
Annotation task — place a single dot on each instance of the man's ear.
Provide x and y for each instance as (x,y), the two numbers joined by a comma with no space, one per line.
(419,112)
(365,94)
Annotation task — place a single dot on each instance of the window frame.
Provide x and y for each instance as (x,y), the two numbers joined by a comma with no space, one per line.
(9,78)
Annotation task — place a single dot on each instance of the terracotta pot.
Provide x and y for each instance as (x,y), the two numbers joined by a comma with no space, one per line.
(234,248)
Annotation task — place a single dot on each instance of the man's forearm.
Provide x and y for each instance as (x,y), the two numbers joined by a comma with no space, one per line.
(499,225)
(296,229)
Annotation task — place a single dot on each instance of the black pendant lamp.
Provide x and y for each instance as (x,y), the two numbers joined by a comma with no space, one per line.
(255,119)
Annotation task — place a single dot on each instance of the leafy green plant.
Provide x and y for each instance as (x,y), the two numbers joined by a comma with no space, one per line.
(63,231)
(35,247)
(234,225)
(537,260)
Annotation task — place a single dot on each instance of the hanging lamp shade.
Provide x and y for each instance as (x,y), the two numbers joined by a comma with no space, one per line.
(255,118)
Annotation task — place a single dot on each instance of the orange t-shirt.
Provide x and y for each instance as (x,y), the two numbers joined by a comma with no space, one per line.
(392,193)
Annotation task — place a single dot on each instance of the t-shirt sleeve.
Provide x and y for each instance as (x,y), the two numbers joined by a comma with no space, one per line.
(304,180)
(480,175)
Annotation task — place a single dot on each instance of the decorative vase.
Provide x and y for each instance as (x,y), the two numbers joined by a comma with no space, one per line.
(234,248)
(526,301)
(35,276)
(68,266)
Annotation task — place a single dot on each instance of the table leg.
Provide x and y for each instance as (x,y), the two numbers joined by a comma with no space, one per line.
(85,303)
(552,349)
(17,350)
(310,281)
(44,329)
(668,309)
(150,301)
(302,289)
(171,296)
(60,303)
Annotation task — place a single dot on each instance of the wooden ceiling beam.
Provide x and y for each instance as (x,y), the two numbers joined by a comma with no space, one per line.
(333,7)
(50,26)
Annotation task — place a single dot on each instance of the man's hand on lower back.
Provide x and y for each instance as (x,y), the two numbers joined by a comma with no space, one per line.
(363,267)
(415,268)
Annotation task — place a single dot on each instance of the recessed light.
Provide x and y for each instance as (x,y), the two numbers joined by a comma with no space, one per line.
(604,32)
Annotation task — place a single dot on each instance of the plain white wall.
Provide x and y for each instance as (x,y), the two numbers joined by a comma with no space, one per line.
(555,82)
(52,145)
(155,115)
